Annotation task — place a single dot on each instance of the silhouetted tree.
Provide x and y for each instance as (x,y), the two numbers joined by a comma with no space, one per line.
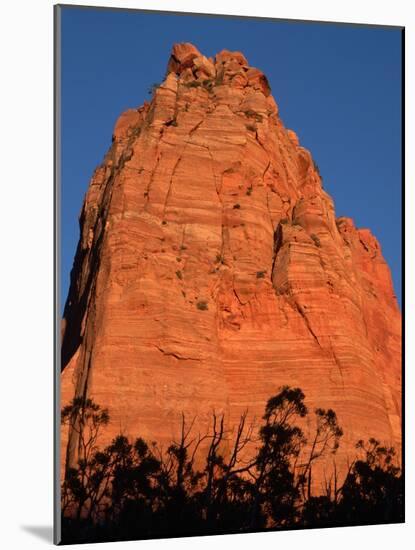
(83,487)
(262,481)
(274,491)
(372,491)
(326,440)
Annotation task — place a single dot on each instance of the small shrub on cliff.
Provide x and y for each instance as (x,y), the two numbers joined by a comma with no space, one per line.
(236,206)
(202,305)
(220,259)
(219,79)
(252,114)
(179,275)
(192,84)
(316,240)
(317,169)
(207,83)
(249,190)
(260,274)
(153,88)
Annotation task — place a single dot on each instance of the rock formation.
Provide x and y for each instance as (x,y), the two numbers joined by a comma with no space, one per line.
(211,270)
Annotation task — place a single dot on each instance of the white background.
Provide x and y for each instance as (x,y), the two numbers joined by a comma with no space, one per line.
(26,269)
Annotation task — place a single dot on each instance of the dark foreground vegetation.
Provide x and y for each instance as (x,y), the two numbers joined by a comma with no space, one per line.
(247,479)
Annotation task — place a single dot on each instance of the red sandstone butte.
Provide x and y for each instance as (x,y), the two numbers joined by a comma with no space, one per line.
(211,269)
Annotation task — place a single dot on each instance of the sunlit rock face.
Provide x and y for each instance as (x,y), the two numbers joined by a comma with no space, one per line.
(211,269)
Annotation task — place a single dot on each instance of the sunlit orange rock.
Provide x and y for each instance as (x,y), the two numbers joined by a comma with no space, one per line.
(211,270)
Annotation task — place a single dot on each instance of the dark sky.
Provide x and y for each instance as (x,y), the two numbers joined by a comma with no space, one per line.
(338,87)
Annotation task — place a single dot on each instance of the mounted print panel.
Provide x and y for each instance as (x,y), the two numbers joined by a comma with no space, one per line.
(229,234)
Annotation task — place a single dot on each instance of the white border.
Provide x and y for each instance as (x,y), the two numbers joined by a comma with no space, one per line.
(26,43)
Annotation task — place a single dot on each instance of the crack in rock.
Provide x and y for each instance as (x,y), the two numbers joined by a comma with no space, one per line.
(176,355)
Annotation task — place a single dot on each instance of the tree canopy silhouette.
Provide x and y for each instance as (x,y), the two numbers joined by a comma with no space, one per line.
(226,481)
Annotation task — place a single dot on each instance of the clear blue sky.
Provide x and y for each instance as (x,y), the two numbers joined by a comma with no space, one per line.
(338,87)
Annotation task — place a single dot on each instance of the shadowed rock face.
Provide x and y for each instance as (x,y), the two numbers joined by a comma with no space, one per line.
(211,270)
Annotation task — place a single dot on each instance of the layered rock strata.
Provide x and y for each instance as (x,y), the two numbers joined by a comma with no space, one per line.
(211,269)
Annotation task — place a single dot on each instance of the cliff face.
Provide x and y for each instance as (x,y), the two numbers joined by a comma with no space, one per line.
(211,270)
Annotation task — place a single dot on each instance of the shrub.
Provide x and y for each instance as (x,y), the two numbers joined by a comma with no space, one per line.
(284,221)
(192,84)
(179,275)
(251,127)
(153,88)
(219,259)
(202,305)
(236,206)
(260,274)
(219,79)
(316,168)
(207,83)
(316,239)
